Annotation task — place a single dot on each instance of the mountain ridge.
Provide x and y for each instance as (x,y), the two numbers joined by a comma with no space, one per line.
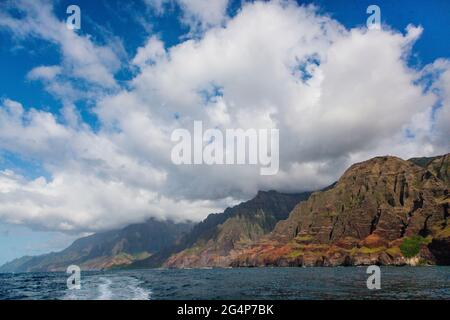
(273,205)
(106,249)
(377,209)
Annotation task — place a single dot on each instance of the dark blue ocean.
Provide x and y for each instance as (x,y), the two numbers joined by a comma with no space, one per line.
(242,283)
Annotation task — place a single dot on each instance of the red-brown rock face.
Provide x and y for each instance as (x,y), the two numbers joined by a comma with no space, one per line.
(385,196)
(363,219)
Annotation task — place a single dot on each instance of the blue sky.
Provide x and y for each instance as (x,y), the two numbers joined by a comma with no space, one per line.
(125,27)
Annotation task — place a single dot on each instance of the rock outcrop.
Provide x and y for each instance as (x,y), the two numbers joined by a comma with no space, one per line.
(440,247)
(439,166)
(382,211)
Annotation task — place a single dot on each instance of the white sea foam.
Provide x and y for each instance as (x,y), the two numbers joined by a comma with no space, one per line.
(139,293)
(109,287)
(104,289)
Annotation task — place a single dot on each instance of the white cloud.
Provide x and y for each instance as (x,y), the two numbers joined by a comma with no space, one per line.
(94,185)
(44,72)
(72,202)
(202,14)
(336,95)
(151,53)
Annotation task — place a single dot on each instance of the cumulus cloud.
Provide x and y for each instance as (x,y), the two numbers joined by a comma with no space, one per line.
(336,95)
(93,186)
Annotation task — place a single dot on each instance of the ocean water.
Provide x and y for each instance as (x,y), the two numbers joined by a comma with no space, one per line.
(241,283)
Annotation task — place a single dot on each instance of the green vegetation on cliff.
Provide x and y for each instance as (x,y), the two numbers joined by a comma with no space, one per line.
(410,246)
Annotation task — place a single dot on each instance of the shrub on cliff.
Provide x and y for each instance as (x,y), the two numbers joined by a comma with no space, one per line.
(410,246)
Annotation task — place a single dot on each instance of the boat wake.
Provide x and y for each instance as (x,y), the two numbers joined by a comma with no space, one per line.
(109,287)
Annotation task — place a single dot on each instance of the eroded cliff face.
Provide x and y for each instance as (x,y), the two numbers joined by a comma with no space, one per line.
(440,167)
(215,240)
(385,196)
(377,213)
